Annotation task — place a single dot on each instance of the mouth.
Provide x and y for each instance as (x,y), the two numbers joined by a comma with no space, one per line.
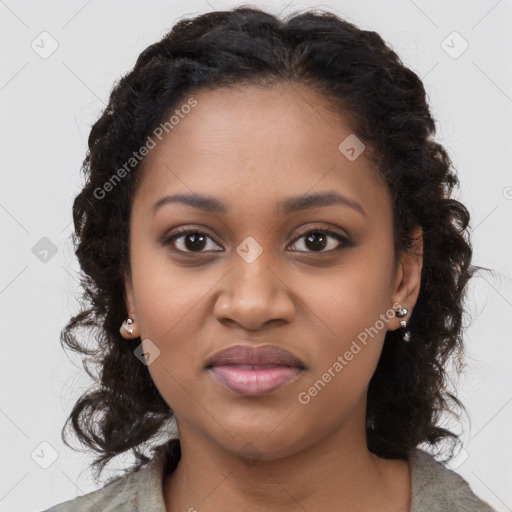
(252,371)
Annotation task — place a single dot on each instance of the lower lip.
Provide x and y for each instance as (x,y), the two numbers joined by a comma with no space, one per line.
(253,382)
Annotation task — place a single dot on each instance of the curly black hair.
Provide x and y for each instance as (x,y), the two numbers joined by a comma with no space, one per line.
(362,78)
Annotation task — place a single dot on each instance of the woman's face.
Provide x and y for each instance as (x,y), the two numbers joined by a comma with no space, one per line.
(269,161)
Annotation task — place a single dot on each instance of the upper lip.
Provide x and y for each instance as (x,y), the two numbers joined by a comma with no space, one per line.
(260,355)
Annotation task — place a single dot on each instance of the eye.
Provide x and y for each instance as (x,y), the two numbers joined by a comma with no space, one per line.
(316,240)
(188,240)
(320,240)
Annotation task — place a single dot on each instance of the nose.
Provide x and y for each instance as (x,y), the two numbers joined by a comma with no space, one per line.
(254,294)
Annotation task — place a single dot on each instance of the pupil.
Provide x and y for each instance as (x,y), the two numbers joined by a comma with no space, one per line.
(198,241)
(315,239)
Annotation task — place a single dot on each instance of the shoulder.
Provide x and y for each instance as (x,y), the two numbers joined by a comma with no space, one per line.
(120,494)
(437,488)
(139,490)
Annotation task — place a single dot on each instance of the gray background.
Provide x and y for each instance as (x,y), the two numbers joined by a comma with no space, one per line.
(47,108)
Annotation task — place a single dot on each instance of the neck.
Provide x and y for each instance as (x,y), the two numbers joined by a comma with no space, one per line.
(337,469)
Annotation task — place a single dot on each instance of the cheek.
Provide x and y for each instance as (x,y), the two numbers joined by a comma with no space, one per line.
(175,338)
(342,369)
(349,314)
(168,302)
(166,292)
(349,299)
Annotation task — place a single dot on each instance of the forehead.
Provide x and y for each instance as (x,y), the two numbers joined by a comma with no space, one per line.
(255,142)
(275,121)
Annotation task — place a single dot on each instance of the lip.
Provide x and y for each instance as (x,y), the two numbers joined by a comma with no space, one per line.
(254,370)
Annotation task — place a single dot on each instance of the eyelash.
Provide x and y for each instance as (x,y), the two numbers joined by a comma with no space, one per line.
(182,232)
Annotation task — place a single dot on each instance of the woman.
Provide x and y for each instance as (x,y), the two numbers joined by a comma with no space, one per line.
(275,265)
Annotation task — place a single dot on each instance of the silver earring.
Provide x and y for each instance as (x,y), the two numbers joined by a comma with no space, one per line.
(403,323)
(127,325)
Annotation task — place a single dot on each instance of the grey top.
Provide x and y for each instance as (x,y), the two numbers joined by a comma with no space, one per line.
(434,488)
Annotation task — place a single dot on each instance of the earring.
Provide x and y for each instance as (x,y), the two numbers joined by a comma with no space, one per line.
(127,325)
(403,323)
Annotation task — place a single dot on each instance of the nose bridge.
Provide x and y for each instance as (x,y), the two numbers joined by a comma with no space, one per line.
(252,293)
(254,275)
(253,281)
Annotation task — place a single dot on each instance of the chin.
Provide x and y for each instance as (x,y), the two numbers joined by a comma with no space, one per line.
(269,443)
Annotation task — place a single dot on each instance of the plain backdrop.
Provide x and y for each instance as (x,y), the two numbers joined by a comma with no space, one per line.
(59,61)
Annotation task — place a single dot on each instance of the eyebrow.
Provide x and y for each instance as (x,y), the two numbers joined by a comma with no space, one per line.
(286,206)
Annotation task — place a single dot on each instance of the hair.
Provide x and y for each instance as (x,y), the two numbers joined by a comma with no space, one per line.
(360,76)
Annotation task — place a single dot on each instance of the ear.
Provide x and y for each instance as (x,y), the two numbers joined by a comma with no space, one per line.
(406,287)
(130,307)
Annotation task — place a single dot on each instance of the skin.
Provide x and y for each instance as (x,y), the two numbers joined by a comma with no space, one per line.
(250,148)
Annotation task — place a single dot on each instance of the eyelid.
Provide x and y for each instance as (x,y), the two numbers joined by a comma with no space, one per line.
(320,227)
(344,241)
(182,231)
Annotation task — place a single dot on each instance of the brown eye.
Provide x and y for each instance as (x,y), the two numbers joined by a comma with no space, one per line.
(188,241)
(317,240)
